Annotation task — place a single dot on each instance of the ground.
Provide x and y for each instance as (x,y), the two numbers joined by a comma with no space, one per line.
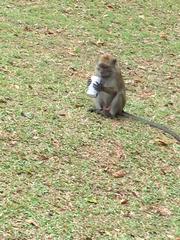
(69,174)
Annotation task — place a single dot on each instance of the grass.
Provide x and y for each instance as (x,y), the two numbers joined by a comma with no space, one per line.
(66,173)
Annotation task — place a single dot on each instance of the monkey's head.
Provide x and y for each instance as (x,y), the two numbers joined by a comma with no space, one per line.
(106,65)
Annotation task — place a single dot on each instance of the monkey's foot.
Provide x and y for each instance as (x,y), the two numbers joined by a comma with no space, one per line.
(106,114)
(91,110)
(98,111)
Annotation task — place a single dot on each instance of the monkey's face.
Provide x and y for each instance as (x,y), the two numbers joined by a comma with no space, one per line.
(104,70)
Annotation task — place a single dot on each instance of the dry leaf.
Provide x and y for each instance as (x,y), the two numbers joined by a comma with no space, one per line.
(32,222)
(128,214)
(73,69)
(119,174)
(62,114)
(43,157)
(15,86)
(119,152)
(142,67)
(56,144)
(120,194)
(170,77)
(142,16)
(92,200)
(146,94)
(166,169)
(99,43)
(124,201)
(3,101)
(27,115)
(138,80)
(27,28)
(168,104)
(169,236)
(30,86)
(78,105)
(163,211)
(163,141)
(163,36)
(109,6)
(13,143)
(35,137)
(48,31)
(134,193)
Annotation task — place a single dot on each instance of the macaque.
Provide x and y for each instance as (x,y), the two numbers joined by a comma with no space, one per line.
(111,98)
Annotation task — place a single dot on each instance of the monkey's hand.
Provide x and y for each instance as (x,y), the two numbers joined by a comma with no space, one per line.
(106,113)
(98,86)
(89,82)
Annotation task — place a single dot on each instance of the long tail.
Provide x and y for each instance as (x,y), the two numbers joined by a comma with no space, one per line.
(153,124)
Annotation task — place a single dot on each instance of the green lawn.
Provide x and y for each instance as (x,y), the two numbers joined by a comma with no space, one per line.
(69,174)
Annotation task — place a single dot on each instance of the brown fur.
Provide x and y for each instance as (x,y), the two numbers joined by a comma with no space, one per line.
(112,97)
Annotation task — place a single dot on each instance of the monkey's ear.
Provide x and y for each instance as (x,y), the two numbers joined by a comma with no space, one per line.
(114,61)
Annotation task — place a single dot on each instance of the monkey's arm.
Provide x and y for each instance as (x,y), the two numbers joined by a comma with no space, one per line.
(109,90)
(100,88)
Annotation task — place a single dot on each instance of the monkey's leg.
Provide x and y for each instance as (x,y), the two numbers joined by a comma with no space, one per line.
(97,105)
(117,104)
(99,102)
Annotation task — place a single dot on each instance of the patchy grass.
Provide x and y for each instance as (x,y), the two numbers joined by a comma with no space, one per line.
(66,173)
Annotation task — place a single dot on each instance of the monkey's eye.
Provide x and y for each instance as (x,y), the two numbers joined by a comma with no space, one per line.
(104,66)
